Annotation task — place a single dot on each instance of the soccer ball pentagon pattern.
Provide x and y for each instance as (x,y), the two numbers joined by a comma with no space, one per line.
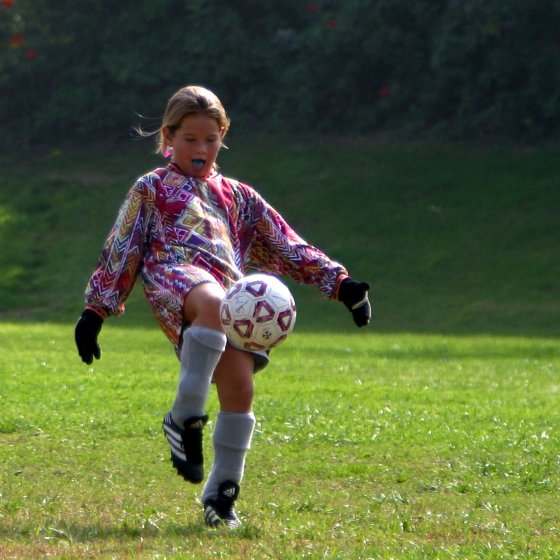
(258,312)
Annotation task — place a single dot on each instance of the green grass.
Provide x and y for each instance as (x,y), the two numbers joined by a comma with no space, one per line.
(367,446)
(453,239)
(434,434)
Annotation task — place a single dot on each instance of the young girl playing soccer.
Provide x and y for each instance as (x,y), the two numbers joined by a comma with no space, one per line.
(189,233)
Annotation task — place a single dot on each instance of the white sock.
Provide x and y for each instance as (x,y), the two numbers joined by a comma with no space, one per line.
(232,439)
(200,354)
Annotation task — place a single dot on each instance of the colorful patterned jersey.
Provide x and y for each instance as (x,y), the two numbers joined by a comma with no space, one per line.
(176,231)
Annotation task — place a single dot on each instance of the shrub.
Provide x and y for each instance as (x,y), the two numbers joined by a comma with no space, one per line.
(466,68)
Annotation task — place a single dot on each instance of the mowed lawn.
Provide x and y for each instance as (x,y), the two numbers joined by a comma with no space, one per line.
(432,434)
(367,446)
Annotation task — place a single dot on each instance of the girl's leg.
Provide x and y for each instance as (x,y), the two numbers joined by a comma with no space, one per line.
(232,436)
(203,345)
(234,380)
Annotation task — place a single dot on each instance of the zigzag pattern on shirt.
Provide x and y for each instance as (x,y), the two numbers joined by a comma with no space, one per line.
(277,234)
(176,244)
(121,256)
(292,256)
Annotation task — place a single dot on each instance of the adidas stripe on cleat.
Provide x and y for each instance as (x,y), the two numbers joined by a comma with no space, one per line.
(186,446)
(220,512)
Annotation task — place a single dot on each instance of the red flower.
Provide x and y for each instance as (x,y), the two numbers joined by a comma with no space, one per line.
(332,24)
(31,54)
(7,3)
(312,8)
(384,91)
(16,40)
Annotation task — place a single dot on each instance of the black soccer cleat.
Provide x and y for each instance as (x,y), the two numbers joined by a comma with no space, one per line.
(186,446)
(220,512)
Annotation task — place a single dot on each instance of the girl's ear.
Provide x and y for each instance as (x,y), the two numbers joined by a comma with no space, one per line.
(166,134)
(167,141)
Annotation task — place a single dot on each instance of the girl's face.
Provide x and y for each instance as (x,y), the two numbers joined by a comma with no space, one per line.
(195,144)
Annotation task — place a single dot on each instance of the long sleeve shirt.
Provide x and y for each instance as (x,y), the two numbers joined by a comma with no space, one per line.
(176,231)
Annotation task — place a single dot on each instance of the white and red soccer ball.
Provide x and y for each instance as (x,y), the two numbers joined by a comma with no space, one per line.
(258,312)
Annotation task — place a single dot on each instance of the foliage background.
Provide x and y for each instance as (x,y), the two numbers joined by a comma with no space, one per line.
(469,69)
(397,441)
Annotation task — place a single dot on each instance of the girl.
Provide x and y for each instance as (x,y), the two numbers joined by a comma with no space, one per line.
(189,233)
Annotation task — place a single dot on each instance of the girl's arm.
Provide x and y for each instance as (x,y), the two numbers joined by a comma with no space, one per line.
(278,249)
(121,256)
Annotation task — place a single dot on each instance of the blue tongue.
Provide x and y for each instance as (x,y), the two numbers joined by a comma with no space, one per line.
(198,163)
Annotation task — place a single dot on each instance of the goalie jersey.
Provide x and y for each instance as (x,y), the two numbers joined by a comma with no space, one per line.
(175,231)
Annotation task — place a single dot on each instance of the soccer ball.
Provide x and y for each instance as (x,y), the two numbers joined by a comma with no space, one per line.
(258,312)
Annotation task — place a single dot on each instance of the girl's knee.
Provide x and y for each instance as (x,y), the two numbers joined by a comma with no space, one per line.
(202,305)
(234,380)
(236,397)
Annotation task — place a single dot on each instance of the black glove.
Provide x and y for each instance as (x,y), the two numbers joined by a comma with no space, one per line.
(86,332)
(354,295)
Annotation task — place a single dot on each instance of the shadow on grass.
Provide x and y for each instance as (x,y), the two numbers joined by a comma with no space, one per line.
(76,533)
(452,317)
(445,350)
(339,324)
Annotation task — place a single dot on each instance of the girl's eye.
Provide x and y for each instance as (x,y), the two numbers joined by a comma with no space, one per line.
(211,140)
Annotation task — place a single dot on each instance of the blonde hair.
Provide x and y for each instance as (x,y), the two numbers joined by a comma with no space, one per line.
(191,100)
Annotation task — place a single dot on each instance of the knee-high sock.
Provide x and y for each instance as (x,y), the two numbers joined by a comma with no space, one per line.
(200,354)
(232,439)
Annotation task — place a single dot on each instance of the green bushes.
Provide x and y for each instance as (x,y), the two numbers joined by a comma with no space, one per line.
(474,69)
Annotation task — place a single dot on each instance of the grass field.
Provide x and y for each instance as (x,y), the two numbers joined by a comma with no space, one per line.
(367,446)
(433,434)
(453,239)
